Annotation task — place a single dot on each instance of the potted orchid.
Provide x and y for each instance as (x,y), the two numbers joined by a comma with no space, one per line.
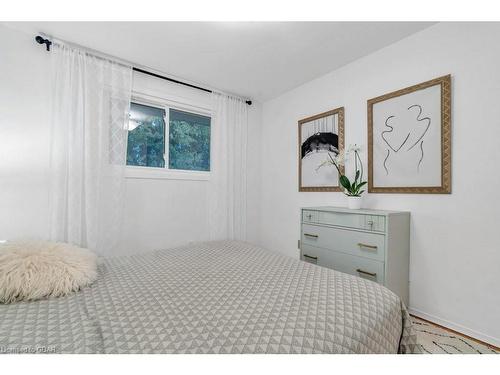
(353,189)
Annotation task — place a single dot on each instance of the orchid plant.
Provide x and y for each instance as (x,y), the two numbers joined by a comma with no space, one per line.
(351,189)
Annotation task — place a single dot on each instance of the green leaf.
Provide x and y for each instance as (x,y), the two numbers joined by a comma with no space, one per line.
(361,184)
(357,176)
(344,181)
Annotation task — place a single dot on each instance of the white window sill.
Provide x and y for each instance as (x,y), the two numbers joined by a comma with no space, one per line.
(164,174)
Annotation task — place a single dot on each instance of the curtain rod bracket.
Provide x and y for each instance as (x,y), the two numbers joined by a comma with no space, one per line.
(41,40)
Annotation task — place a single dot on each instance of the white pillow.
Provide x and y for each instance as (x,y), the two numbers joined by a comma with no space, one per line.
(31,270)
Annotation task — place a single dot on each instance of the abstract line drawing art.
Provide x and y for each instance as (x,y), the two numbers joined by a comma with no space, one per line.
(319,136)
(409,145)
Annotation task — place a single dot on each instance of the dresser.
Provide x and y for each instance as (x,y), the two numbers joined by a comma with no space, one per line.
(373,244)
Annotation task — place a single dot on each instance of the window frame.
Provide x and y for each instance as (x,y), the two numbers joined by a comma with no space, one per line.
(144,172)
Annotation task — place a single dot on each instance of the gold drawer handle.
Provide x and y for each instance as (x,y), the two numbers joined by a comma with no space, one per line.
(373,247)
(311,235)
(372,274)
(310,257)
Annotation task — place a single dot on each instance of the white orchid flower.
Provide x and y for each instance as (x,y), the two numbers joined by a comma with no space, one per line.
(340,158)
(353,148)
(353,187)
(337,161)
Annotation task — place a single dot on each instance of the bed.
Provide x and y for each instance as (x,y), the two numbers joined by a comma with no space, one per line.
(213,297)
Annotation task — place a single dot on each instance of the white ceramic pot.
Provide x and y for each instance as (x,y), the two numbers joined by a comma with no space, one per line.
(354,203)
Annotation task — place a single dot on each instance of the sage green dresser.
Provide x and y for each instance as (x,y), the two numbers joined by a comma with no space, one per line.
(373,244)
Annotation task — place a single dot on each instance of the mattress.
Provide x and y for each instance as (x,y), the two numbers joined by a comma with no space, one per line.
(213,297)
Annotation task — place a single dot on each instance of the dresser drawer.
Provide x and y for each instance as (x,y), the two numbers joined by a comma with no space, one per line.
(350,220)
(362,244)
(363,267)
(342,219)
(316,255)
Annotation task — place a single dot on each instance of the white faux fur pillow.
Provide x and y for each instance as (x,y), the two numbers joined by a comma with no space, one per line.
(30,270)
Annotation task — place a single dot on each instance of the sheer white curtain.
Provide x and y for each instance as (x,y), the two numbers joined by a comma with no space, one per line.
(88,151)
(227,191)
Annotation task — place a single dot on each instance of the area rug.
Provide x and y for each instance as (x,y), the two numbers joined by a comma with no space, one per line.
(436,340)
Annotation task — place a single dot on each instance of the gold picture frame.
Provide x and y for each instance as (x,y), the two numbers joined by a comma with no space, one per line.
(339,113)
(445,131)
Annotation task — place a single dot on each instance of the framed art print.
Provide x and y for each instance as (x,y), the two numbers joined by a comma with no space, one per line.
(409,139)
(318,136)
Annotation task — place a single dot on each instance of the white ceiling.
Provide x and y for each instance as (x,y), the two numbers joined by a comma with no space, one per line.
(258,60)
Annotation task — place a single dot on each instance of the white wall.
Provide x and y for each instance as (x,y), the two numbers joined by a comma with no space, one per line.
(455,248)
(160,213)
(24,136)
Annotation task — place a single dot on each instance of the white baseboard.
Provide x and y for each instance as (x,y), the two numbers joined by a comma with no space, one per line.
(456,327)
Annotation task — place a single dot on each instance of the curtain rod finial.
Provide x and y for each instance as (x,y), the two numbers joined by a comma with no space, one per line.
(41,40)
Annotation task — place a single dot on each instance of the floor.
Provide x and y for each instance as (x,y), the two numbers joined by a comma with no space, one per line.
(437,340)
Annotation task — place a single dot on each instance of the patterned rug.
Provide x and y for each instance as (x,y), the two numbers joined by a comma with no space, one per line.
(436,340)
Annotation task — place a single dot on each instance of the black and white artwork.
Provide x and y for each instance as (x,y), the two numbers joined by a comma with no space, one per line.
(406,139)
(318,136)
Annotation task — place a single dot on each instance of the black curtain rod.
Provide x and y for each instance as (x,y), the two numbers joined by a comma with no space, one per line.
(41,40)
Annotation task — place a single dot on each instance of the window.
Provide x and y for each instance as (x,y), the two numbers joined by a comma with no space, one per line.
(168,138)
(189,141)
(146,136)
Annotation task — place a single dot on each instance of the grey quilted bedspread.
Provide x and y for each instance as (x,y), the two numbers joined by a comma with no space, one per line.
(214,297)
